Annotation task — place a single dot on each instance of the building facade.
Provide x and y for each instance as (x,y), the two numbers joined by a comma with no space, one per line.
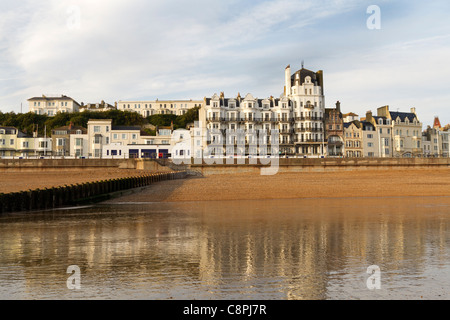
(353,139)
(61,140)
(305,92)
(14,143)
(52,105)
(334,131)
(297,118)
(149,108)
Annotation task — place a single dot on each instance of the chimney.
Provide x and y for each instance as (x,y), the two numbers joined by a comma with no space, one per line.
(413,110)
(369,116)
(287,80)
(338,106)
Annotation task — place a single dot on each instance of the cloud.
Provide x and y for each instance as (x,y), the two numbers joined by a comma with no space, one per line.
(141,49)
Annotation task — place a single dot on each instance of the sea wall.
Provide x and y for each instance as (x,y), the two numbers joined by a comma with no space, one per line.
(320,165)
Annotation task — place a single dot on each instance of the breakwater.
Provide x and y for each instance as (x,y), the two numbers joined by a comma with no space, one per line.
(89,192)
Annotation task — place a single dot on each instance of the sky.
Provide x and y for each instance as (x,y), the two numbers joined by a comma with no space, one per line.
(116,50)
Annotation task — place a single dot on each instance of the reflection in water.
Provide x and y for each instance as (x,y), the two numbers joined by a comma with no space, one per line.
(273,249)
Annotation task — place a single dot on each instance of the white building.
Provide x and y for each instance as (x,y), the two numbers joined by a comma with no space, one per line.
(298,115)
(149,108)
(52,105)
(14,143)
(104,140)
(305,91)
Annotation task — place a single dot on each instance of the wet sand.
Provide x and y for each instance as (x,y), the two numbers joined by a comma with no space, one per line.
(370,183)
(13,181)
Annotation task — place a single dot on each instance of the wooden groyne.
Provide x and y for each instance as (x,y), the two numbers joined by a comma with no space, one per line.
(68,195)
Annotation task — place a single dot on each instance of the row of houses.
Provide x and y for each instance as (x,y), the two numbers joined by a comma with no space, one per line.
(101,139)
(51,105)
(304,126)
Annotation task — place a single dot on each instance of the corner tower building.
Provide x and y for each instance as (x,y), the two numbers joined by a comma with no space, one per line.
(304,88)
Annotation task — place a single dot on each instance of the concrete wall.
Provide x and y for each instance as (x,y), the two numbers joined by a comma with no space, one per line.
(67,163)
(326,164)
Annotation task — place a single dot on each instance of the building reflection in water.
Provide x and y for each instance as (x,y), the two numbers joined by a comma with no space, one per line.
(272,249)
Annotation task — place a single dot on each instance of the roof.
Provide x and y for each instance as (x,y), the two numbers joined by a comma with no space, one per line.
(357,124)
(377,119)
(70,128)
(20,134)
(303,73)
(125,128)
(403,116)
(9,130)
(62,97)
(366,124)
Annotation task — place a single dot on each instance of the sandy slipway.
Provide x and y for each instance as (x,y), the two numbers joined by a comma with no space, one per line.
(368,183)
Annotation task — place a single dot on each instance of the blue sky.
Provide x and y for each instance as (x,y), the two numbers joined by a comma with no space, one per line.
(137,49)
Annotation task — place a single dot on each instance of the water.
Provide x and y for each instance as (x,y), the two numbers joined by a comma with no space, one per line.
(273,249)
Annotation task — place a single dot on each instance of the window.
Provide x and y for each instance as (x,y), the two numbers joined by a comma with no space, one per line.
(42,144)
(107,140)
(2,142)
(96,128)
(60,142)
(115,136)
(78,142)
(370,144)
(124,136)
(97,153)
(134,136)
(107,128)
(11,141)
(97,139)
(25,144)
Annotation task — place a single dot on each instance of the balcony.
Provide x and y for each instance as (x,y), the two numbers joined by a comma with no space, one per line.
(304,118)
(308,130)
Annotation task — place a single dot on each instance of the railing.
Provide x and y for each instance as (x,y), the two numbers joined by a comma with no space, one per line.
(313,118)
(308,130)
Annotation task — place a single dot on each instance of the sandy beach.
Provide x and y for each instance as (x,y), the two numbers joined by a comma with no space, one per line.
(367,183)
(370,183)
(13,181)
